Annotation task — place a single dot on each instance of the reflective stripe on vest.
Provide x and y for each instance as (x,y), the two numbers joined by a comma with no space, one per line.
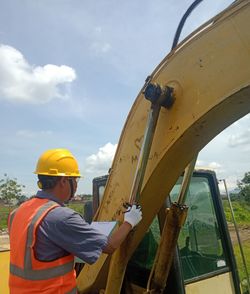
(42,274)
(12,214)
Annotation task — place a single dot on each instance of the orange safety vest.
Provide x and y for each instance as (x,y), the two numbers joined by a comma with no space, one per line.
(27,274)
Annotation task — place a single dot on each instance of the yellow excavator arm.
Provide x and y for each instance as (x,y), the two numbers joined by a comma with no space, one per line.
(210,75)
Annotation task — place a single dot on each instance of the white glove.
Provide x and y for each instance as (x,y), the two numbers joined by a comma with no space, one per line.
(133,216)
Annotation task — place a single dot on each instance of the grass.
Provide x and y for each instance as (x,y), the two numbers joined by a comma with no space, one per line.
(4,212)
(242,217)
(78,207)
(241,212)
(241,269)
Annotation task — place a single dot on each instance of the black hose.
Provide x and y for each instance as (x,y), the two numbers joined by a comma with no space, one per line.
(182,22)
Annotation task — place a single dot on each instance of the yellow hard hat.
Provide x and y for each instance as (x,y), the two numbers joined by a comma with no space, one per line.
(57,162)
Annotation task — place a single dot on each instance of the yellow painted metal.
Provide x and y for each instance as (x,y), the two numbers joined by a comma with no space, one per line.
(4,271)
(210,72)
(175,219)
(222,284)
(133,289)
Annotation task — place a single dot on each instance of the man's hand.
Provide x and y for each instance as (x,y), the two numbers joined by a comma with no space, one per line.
(134,215)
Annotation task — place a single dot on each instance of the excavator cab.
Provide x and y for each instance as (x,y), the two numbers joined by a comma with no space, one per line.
(204,249)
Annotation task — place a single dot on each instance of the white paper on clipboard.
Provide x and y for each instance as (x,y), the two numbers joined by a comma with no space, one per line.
(104,228)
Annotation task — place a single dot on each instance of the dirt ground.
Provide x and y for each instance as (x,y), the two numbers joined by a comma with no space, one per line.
(244,232)
(4,241)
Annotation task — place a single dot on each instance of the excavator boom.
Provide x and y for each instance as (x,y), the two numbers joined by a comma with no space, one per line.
(210,74)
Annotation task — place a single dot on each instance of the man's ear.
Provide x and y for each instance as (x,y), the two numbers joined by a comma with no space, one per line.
(62,181)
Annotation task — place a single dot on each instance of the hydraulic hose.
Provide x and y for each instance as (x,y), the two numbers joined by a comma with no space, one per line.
(182,22)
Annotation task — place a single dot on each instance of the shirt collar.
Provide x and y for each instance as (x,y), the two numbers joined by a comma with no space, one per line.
(45,195)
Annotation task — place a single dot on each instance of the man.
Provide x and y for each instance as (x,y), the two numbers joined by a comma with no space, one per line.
(45,235)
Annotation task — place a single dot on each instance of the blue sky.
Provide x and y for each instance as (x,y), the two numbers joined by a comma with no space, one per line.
(70,71)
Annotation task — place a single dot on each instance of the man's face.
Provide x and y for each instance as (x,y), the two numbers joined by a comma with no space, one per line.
(71,187)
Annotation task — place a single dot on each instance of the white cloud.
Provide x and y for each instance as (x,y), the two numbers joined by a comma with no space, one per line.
(98,43)
(200,163)
(28,134)
(100,162)
(106,47)
(22,82)
(98,30)
(231,183)
(100,47)
(209,165)
(214,165)
(239,139)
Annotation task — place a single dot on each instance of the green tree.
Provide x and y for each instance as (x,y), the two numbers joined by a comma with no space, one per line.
(244,186)
(234,196)
(22,199)
(10,190)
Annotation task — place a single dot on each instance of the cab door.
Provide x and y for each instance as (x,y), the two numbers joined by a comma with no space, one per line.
(206,255)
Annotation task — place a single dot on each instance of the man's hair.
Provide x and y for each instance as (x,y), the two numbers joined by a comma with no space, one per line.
(47,182)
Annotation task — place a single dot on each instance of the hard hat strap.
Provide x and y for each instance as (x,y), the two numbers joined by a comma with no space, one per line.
(71,188)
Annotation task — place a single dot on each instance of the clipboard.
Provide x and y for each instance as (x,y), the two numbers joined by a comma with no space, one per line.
(105,228)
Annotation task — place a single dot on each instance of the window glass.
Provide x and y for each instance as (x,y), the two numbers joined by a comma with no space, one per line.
(199,242)
(101,192)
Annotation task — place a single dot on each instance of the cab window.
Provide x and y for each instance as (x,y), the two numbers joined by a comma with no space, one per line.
(199,242)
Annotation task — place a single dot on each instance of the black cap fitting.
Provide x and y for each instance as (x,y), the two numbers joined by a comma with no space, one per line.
(156,94)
